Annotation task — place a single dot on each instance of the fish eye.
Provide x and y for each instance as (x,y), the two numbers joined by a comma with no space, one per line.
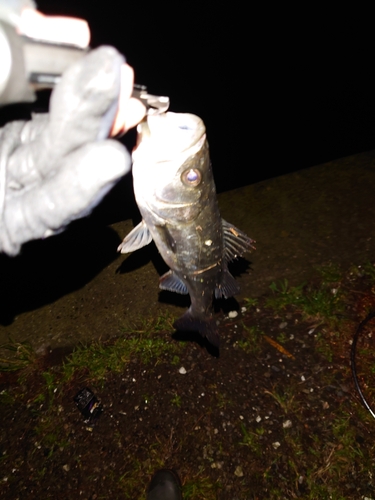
(191,177)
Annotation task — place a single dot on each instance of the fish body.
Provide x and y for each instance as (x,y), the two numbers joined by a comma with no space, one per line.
(176,195)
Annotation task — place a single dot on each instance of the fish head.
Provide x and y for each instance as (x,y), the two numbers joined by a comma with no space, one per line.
(171,166)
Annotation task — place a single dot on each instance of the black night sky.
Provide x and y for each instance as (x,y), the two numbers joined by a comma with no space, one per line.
(278,90)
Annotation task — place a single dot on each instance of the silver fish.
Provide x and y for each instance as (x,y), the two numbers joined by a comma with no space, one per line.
(176,195)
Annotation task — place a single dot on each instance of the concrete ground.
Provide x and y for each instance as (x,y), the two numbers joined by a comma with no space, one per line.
(74,287)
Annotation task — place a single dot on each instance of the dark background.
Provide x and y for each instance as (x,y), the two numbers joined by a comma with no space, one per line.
(279,90)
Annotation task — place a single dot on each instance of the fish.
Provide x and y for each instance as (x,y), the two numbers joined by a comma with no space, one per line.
(175,192)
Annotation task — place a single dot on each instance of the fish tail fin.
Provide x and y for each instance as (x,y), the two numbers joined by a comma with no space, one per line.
(205,326)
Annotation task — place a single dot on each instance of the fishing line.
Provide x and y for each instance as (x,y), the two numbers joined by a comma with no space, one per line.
(353,364)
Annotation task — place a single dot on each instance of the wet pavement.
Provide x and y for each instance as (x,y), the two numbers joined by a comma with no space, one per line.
(74,287)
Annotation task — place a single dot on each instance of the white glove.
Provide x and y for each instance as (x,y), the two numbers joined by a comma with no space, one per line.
(58,166)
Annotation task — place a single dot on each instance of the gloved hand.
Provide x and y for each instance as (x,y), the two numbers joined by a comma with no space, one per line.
(58,166)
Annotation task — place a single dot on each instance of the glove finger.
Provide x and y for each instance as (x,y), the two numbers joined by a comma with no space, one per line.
(83,106)
(130,110)
(87,96)
(82,181)
(17,146)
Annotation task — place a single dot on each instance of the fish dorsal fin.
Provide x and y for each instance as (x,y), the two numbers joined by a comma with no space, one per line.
(138,237)
(236,242)
(171,282)
(227,287)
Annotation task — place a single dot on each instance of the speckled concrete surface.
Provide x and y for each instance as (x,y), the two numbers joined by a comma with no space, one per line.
(74,287)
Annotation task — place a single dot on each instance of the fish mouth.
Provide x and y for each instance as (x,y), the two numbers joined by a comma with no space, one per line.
(170,135)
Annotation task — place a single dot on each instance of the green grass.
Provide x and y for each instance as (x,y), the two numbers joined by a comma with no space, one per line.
(324,345)
(132,482)
(162,323)
(144,341)
(200,488)
(148,341)
(176,400)
(326,455)
(250,302)
(368,269)
(282,338)
(15,356)
(335,460)
(284,399)
(6,398)
(251,439)
(318,303)
(221,398)
(330,273)
(250,343)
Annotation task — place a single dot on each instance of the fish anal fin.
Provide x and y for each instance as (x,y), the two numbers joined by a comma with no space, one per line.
(227,287)
(236,242)
(138,237)
(205,327)
(171,282)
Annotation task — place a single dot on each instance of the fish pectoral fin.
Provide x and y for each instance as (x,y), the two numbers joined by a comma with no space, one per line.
(236,242)
(227,287)
(138,237)
(171,282)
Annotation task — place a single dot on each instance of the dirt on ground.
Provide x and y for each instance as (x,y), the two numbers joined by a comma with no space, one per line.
(273,414)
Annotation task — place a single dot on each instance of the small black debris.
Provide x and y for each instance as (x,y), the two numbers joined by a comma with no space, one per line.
(89,405)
